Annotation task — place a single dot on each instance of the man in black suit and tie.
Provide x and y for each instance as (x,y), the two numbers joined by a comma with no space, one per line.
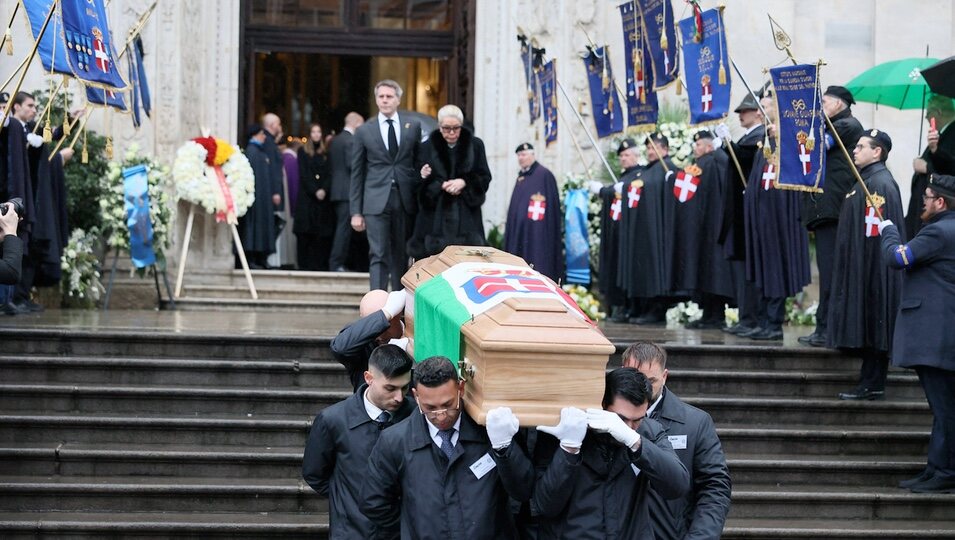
(339,163)
(384,182)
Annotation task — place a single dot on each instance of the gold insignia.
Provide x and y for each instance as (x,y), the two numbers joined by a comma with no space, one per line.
(878,199)
(802,136)
(693,170)
(624,144)
(637,184)
(874,133)
(538,197)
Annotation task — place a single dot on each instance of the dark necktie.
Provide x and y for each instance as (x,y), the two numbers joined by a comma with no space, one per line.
(383,418)
(392,139)
(446,445)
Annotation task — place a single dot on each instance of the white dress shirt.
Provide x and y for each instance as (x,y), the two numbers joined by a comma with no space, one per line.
(373,411)
(437,438)
(383,126)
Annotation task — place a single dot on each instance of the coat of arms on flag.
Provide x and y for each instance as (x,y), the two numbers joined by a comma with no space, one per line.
(769,176)
(706,95)
(537,207)
(616,207)
(686,183)
(805,158)
(633,193)
(871,216)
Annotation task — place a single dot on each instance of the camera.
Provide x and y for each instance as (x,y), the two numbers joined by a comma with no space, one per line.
(16,203)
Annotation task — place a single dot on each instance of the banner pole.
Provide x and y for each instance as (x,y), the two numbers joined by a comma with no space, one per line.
(3,41)
(577,147)
(36,45)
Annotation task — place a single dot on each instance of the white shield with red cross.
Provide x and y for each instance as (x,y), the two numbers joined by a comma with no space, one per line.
(640,85)
(536,209)
(805,159)
(685,185)
(706,98)
(102,56)
(633,194)
(769,176)
(616,208)
(871,222)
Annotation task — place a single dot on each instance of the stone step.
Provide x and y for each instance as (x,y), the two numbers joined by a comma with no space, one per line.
(765,411)
(178,494)
(902,384)
(743,357)
(182,400)
(285,279)
(160,525)
(316,294)
(817,439)
(839,503)
(800,469)
(212,303)
(815,529)
(220,430)
(278,373)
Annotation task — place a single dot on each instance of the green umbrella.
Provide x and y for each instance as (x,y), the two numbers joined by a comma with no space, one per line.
(897,84)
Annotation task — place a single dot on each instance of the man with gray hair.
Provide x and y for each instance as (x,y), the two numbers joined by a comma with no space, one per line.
(384,184)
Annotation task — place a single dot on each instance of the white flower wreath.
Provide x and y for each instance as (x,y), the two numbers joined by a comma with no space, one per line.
(197,182)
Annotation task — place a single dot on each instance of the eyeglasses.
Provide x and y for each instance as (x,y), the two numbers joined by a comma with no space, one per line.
(440,413)
(450,129)
(927,197)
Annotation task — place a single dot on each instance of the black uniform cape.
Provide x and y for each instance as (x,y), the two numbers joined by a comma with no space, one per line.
(538,242)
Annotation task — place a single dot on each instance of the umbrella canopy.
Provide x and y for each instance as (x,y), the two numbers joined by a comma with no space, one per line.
(897,84)
(941,77)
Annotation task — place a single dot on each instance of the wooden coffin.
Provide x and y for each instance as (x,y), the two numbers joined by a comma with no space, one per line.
(529,354)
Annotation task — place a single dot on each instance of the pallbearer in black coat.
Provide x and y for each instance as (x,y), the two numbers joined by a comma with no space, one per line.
(865,294)
(533,217)
(342,436)
(257,227)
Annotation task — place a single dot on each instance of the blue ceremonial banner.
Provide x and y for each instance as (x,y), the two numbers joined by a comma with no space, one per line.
(800,134)
(576,242)
(106,98)
(52,41)
(702,64)
(548,84)
(608,116)
(137,80)
(642,109)
(89,43)
(660,35)
(136,195)
(530,78)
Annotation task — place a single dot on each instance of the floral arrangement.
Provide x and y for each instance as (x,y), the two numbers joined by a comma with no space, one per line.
(798,314)
(80,283)
(215,175)
(113,204)
(683,313)
(585,300)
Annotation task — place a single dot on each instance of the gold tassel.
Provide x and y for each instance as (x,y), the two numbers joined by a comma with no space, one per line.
(605,82)
(663,41)
(85,156)
(66,125)
(679,86)
(767,153)
(810,143)
(109,148)
(8,39)
(722,74)
(47,132)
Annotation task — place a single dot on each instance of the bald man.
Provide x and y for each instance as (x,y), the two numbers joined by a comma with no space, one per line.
(380,322)
(339,166)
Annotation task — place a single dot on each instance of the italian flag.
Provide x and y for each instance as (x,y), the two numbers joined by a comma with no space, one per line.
(464,291)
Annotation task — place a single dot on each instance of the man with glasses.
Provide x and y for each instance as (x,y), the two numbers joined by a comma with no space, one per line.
(865,294)
(595,484)
(342,436)
(921,341)
(938,157)
(439,473)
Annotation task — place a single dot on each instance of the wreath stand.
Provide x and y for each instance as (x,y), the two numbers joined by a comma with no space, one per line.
(156,272)
(238,247)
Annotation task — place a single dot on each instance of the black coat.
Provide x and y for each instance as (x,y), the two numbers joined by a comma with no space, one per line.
(538,242)
(643,267)
(610,246)
(865,294)
(942,160)
(410,479)
(443,219)
(313,216)
(15,176)
(922,331)
(354,344)
(823,208)
(597,494)
(945,157)
(336,459)
(276,164)
(51,230)
(701,513)
(257,227)
(339,166)
(732,234)
(11,253)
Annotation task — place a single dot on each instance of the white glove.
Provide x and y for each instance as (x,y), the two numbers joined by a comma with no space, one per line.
(618,188)
(717,143)
(884,223)
(401,342)
(34,140)
(722,131)
(594,187)
(571,429)
(502,425)
(395,304)
(603,421)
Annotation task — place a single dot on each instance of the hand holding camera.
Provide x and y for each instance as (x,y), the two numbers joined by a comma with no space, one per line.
(10,214)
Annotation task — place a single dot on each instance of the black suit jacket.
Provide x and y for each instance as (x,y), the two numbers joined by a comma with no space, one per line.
(373,168)
(11,252)
(339,166)
(354,344)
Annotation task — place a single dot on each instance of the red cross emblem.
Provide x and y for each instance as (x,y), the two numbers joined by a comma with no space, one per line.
(871,222)
(640,85)
(684,187)
(536,208)
(615,208)
(102,57)
(707,98)
(805,158)
(633,194)
(769,175)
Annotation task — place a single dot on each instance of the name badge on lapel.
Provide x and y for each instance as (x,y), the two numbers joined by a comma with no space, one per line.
(483,466)
(678,442)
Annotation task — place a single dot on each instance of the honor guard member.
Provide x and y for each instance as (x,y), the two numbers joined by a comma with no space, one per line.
(380,322)
(611,247)
(940,149)
(865,294)
(821,211)
(342,436)
(532,231)
(701,513)
(441,474)
(597,469)
(923,340)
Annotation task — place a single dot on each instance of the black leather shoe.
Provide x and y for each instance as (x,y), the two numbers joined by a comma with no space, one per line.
(935,484)
(862,394)
(805,340)
(750,333)
(818,340)
(10,309)
(922,477)
(649,318)
(737,329)
(766,334)
(29,307)
(702,324)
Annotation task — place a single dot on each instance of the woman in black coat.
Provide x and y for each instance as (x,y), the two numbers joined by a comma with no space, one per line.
(455,181)
(314,221)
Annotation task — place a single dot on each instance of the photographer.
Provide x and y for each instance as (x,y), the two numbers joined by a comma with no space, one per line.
(11,247)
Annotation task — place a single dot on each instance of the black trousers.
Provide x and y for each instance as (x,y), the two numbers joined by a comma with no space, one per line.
(387,243)
(342,238)
(750,306)
(875,368)
(772,313)
(939,386)
(825,254)
(312,251)
(27,275)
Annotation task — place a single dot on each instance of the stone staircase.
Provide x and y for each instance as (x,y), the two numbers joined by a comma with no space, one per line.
(109,434)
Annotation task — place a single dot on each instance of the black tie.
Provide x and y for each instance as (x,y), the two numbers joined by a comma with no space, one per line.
(383,418)
(392,139)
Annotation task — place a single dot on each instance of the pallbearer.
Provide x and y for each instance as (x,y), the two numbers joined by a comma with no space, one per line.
(533,217)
